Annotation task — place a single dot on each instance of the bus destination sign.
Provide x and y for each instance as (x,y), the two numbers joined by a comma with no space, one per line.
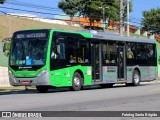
(30,35)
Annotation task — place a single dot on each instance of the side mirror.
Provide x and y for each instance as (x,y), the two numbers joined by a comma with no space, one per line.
(6,46)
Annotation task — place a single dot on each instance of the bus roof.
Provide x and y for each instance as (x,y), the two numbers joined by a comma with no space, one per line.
(100,35)
(116,37)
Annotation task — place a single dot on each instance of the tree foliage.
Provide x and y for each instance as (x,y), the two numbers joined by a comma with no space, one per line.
(2,1)
(151,20)
(70,7)
(92,9)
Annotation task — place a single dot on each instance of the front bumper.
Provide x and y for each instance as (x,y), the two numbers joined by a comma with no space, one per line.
(36,81)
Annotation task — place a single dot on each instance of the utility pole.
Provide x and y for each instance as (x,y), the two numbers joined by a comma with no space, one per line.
(121,18)
(9,21)
(103,17)
(127,17)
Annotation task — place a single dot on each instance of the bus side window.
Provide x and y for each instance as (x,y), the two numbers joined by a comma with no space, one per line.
(71,59)
(83,51)
(150,52)
(130,49)
(109,51)
(141,51)
(58,49)
(71,50)
(61,49)
(54,53)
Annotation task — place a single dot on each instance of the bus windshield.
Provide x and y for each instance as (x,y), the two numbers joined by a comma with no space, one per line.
(28,52)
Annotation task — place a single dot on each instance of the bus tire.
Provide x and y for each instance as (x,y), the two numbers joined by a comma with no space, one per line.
(42,89)
(136,78)
(76,82)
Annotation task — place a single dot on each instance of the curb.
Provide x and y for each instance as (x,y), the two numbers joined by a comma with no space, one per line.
(12,88)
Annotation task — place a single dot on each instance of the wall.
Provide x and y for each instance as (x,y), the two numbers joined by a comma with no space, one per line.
(4,80)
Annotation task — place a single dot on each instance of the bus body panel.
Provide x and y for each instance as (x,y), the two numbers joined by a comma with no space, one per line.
(157,54)
(147,73)
(43,79)
(63,77)
(109,74)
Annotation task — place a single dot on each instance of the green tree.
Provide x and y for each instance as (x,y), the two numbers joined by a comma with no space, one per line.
(2,1)
(91,9)
(151,20)
(113,12)
(70,7)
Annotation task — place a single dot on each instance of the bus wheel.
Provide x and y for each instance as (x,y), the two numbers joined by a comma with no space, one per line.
(76,82)
(136,78)
(42,89)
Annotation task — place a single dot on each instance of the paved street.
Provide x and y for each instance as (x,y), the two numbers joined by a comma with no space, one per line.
(119,98)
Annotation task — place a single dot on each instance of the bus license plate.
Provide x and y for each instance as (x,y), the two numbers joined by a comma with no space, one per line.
(25,82)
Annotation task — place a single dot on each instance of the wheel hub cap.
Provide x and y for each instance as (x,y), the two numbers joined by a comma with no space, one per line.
(136,78)
(76,81)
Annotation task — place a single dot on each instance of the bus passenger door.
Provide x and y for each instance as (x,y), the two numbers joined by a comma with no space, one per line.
(96,61)
(121,62)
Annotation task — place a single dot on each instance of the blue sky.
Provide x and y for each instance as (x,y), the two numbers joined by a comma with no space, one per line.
(135,15)
(141,5)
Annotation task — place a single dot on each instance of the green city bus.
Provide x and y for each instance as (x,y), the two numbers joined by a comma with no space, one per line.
(59,58)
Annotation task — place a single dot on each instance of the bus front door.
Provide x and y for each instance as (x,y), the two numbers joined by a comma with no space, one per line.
(96,61)
(121,63)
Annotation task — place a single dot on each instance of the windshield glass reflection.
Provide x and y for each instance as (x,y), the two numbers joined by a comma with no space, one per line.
(28,52)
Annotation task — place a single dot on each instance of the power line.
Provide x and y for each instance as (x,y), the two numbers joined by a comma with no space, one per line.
(23,16)
(31,5)
(136,23)
(56,14)
(31,11)
(38,7)
(3,12)
(49,8)
(138,19)
(46,13)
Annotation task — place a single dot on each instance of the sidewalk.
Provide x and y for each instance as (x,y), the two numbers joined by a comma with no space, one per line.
(4,80)
(158,79)
(14,90)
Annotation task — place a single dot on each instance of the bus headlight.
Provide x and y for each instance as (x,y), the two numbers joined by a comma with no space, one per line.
(41,73)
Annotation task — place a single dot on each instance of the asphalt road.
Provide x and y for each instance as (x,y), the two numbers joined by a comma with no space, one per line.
(145,97)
